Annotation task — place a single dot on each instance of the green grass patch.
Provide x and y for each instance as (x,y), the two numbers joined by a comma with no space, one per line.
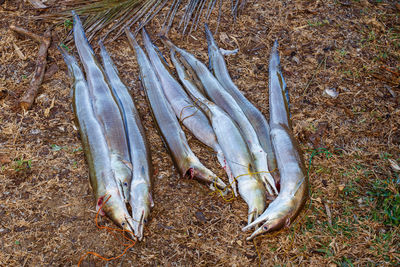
(385,197)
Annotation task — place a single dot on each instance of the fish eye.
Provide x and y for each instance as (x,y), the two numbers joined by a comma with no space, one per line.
(145,220)
(126,184)
(123,224)
(266,227)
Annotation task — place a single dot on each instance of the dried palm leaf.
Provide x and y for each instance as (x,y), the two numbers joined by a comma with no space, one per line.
(116,15)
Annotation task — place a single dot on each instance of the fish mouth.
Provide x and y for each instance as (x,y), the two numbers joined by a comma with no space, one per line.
(253,215)
(271,221)
(206,176)
(138,225)
(268,227)
(129,226)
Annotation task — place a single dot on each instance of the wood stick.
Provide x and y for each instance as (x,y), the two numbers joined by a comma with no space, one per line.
(29,34)
(41,61)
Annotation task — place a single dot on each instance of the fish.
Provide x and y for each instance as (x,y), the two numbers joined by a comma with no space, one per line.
(233,146)
(257,119)
(219,96)
(185,160)
(294,186)
(140,200)
(185,110)
(106,109)
(97,153)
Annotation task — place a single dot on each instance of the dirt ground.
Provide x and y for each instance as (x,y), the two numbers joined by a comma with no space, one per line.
(47,209)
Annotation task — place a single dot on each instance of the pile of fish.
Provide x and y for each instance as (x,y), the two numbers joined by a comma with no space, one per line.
(112,135)
(258,158)
(262,161)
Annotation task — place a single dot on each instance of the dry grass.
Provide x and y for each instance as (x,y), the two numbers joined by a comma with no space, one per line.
(47,208)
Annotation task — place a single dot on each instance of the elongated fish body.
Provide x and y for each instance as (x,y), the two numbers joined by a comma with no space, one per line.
(96,150)
(233,146)
(187,163)
(106,110)
(223,99)
(140,198)
(184,108)
(294,185)
(256,118)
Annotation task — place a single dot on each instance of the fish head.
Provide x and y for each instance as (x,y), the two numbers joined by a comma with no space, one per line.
(114,207)
(271,224)
(278,215)
(141,202)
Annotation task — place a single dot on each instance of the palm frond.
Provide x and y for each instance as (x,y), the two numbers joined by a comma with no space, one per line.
(116,15)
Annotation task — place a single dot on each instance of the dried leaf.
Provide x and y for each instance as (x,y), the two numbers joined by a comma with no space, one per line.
(37,4)
(47,110)
(19,52)
(394,165)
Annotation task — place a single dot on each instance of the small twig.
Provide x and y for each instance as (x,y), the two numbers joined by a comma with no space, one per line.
(37,4)
(315,74)
(391,71)
(347,3)
(379,77)
(41,61)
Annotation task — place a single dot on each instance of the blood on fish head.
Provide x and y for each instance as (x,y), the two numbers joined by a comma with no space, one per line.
(99,204)
(278,185)
(189,173)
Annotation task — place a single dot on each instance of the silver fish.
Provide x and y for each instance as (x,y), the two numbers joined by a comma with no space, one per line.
(96,150)
(140,198)
(188,113)
(219,96)
(106,110)
(235,149)
(256,118)
(294,185)
(187,163)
